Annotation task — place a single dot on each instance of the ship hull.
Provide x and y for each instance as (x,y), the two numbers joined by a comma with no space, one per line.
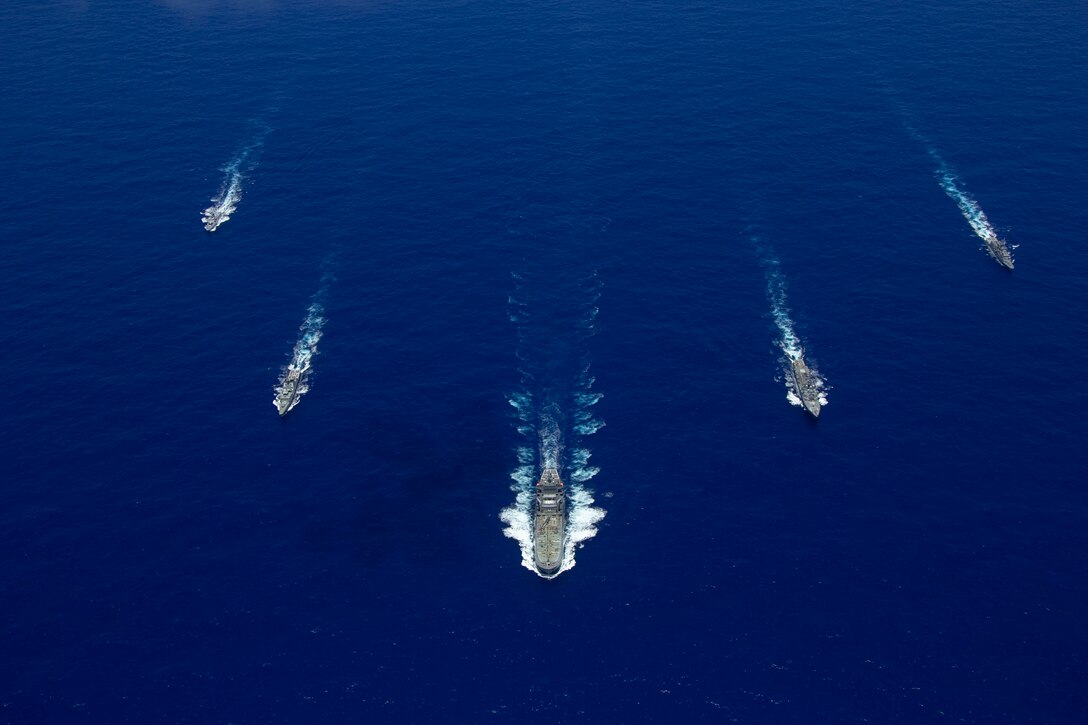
(999,253)
(549,523)
(287,399)
(806,387)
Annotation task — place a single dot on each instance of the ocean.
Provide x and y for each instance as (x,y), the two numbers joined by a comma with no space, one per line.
(492,236)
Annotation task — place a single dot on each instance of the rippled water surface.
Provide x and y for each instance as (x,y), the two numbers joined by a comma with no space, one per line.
(582,232)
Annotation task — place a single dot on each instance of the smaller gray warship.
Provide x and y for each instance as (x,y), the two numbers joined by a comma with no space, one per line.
(289,392)
(999,250)
(808,389)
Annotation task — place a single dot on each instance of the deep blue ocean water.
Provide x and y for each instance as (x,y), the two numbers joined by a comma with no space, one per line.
(488,197)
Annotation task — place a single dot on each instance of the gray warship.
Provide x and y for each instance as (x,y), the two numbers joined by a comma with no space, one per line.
(807,386)
(289,392)
(549,523)
(999,250)
(216,215)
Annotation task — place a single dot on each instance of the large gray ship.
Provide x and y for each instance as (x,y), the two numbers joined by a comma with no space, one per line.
(289,391)
(999,250)
(549,523)
(808,389)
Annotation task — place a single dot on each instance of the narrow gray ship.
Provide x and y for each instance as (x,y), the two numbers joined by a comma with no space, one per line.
(215,215)
(999,250)
(289,391)
(549,523)
(808,388)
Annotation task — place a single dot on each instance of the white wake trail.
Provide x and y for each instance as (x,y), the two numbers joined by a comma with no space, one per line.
(953,186)
(780,311)
(224,204)
(230,191)
(996,247)
(556,427)
(294,380)
(788,341)
(970,209)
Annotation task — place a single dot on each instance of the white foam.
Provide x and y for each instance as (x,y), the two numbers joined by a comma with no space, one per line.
(580,456)
(588,399)
(519,527)
(551,440)
(522,402)
(780,311)
(589,427)
(582,520)
(583,474)
(523,480)
(968,206)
